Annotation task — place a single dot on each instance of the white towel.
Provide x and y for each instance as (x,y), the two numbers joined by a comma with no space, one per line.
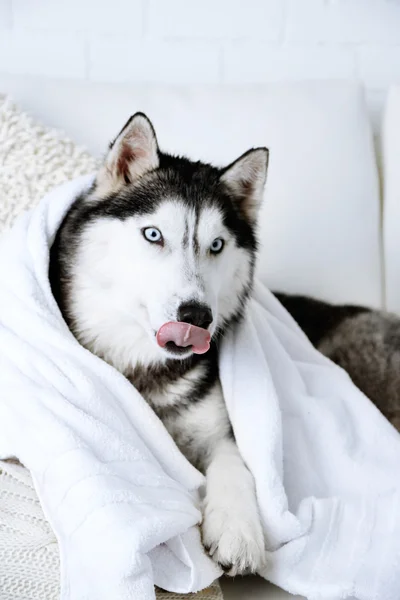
(120,496)
(325,461)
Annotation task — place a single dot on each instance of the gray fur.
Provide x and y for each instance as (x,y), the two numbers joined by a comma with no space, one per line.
(364,342)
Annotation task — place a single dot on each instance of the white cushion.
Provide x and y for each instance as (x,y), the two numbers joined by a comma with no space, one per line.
(320,221)
(391,198)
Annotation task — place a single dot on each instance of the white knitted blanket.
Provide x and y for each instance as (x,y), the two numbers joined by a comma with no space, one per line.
(29,561)
(33,160)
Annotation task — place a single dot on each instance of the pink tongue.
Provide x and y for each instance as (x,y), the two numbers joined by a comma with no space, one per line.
(184,334)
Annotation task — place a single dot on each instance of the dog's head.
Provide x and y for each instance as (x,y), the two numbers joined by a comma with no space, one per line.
(163,249)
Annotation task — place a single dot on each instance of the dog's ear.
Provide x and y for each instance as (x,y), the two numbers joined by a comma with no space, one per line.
(245,179)
(133,153)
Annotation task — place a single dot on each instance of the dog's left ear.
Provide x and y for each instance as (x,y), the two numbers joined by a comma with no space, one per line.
(133,153)
(245,179)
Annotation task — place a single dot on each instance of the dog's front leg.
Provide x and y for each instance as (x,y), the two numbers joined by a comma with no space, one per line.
(231,524)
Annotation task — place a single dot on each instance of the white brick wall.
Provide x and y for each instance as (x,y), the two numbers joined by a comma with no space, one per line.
(204,41)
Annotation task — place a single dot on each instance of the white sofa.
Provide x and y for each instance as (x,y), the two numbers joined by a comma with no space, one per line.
(321,227)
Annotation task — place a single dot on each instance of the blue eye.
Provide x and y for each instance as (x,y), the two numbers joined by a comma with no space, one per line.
(152,234)
(217,246)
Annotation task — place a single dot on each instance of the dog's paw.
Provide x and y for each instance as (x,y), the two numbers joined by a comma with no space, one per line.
(234,541)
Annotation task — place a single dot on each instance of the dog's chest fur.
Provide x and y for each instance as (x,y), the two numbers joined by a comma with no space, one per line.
(172,384)
(186,396)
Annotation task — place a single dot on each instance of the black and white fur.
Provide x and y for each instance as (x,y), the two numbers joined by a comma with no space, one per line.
(116,288)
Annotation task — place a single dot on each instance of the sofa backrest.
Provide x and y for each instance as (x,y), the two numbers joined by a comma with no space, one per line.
(320,223)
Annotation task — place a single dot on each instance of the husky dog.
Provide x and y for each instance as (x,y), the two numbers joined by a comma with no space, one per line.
(364,342)
(150,267)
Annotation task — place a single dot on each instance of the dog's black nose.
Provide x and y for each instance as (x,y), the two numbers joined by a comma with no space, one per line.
(195,314)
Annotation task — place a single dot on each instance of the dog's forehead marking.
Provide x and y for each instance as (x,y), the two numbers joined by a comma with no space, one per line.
(192,245)
(185,239)
(191,227)
(195,241)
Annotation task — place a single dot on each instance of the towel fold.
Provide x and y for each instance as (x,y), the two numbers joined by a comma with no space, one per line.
(325,461)
(122,499)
